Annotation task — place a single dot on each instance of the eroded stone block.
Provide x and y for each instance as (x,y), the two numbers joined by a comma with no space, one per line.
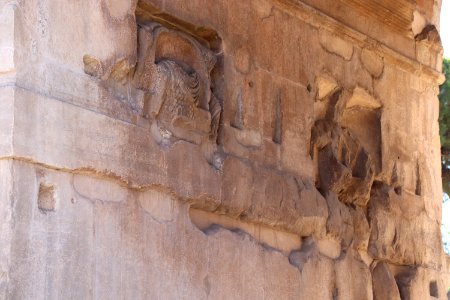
(401,232)
(46,197)
(344,166)
(360,97)
(419,283)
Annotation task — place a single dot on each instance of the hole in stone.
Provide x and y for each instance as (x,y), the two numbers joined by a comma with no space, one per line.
(418,182)
(434,289)
(46,198)
(309,88)
(398,190)
(365,126)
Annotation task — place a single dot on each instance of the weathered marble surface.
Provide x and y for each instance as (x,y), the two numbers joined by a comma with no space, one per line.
(272,149)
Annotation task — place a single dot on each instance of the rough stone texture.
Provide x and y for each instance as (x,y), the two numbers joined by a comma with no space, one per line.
(384,284)
(226,149)
(372,62)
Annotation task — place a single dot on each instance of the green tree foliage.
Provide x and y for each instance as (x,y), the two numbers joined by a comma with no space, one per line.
(444,126)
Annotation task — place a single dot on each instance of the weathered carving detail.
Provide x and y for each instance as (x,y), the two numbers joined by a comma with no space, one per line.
(345,166)
(173,69)
(46,198)
(118,71)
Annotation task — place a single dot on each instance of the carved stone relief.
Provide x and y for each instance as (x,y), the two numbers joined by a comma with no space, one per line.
(345,167)
(173,71)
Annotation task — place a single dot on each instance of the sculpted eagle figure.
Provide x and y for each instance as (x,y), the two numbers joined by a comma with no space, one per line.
(177,84)
(173,69)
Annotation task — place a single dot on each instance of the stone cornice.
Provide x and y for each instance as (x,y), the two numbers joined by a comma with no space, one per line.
(321,20)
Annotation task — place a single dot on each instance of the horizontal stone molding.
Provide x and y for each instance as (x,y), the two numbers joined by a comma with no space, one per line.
(393,56)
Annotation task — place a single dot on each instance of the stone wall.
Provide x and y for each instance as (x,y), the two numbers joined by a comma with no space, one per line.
(221,149)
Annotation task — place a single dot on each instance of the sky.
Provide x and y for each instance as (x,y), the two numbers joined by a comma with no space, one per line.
(445,27)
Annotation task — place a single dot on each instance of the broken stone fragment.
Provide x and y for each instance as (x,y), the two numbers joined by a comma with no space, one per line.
(116,72)
(419,22)
(93,66)
(362,98)
(429,47)
(325,85)
(372,62)
(334,44)
(121,70)
(248,138)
